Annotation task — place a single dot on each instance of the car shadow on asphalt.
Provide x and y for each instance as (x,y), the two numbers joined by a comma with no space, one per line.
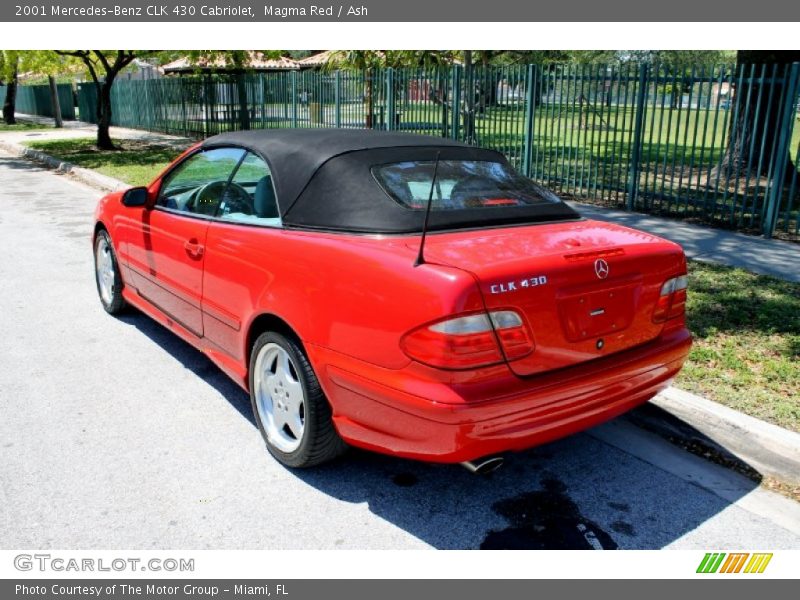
(576,493)
(192,360)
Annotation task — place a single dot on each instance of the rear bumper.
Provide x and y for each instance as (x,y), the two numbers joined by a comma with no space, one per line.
(406,414)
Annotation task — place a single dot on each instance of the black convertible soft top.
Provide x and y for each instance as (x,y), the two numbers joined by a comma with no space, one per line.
(323,179)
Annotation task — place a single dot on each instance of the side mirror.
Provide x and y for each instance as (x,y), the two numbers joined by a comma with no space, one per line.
(135,197)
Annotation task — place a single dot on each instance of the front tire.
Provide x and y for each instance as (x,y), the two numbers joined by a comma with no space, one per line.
(291,410)
(107,275)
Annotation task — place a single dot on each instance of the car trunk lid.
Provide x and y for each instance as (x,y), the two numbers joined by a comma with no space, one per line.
(585,289)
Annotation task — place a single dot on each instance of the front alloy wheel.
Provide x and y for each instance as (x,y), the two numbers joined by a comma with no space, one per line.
(107,277)
(292,413)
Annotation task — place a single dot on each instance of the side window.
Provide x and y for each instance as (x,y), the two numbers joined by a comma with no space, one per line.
(197,186)
(250,198)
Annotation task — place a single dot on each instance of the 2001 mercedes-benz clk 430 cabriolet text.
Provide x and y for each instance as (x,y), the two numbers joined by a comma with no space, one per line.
(400,293)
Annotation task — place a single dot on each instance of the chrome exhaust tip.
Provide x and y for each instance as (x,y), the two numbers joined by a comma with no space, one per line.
(483,466)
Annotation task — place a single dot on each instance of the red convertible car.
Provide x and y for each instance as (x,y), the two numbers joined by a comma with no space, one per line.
(400,293)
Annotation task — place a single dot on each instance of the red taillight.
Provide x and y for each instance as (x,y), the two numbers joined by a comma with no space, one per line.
(469,341)
(672,300)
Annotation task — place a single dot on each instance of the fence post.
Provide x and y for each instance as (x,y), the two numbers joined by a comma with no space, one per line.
(205,105)
(147,106)
(641,101)
(263,100)
(213,104)
(782,150)
(388,116)
(455,111)
(184,118)
(338,98)
(293,80)
(530,109)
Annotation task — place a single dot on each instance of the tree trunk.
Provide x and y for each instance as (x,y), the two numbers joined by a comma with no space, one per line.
(244,108)
(54,101)
(538,83)
(673,96)
(93,59)
(749,124)
(104,115)
(370,100)
(10,104)
(487,84)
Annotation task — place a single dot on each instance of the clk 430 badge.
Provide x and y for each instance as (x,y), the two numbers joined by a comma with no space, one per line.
(517,284)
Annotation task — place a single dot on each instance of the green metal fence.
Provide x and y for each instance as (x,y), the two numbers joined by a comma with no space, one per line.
(717,144)
(35,100)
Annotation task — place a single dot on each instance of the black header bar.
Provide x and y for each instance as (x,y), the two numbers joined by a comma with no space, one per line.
(401,11)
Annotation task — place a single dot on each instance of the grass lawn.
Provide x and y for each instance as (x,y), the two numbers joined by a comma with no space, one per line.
(746,352)
(136,162)
(22,126)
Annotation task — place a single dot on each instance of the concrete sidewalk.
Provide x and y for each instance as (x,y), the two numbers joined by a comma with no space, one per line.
(80,129)
(757,254)
(14,143)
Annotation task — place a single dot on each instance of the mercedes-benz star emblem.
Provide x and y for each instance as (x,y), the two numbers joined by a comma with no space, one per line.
(601,268)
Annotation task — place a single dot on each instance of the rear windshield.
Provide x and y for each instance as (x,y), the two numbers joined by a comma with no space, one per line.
(459,185)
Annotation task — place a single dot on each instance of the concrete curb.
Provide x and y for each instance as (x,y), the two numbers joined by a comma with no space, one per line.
(767,448)
(87,176)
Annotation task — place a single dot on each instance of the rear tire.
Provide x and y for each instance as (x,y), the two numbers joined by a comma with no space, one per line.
(107,275)
(291,410)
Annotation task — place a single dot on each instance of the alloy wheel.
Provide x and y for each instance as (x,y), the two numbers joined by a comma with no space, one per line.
(280,399)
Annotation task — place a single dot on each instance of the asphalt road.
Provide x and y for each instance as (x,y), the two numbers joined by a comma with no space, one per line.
(115,434)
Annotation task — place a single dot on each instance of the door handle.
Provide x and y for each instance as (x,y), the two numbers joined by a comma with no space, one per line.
(193,248)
